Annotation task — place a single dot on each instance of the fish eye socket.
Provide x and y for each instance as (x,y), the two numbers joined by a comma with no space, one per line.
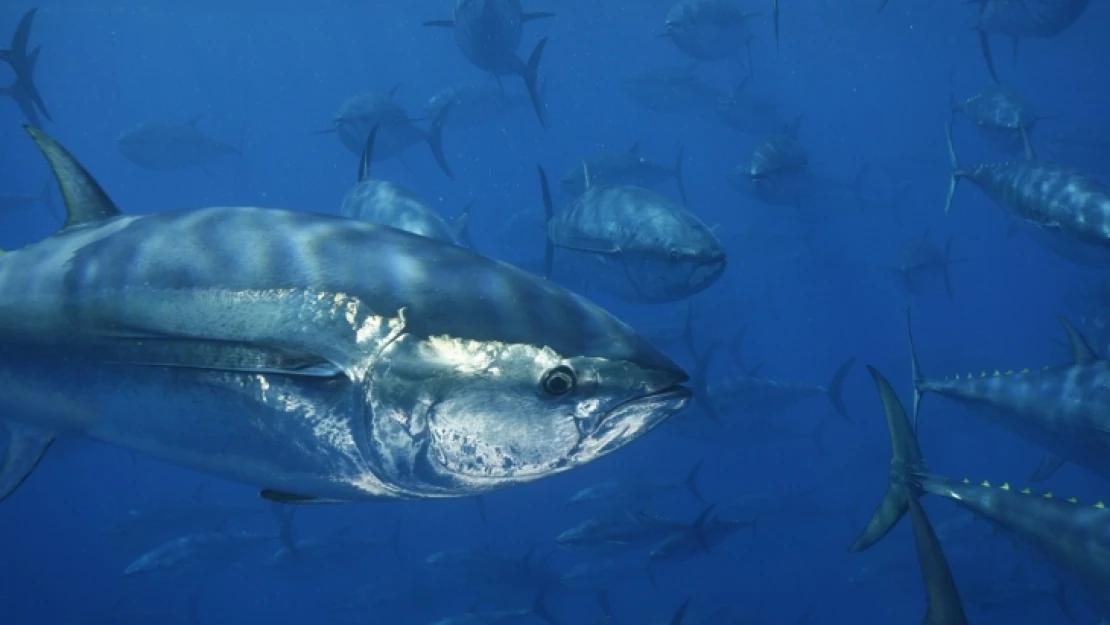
(558,381)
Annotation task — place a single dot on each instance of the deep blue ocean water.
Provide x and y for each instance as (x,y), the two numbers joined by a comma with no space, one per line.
(874,89)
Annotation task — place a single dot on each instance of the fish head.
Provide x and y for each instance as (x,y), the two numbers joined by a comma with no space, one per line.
(520,382)
(671,259)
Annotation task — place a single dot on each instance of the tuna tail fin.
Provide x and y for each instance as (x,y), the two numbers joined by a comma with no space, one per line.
(539,607)
(775,22)
(956,173)
(835,389)
(480,504)
(698,528)
(549,212)
(435,139)
(988,56)
(605,604)
(680,613)
(530,74)
(367,154)
(795,126)
(678,174)
(85,200)
(195,607)
(882,5)
(1081,351)
(25,448)
(906,460)
(691,482)
(915,371)
(701,383)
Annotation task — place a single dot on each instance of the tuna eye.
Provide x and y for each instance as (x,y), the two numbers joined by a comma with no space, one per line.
(558,381)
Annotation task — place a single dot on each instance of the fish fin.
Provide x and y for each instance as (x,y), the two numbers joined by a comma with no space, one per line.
(441,23)
(367,156)
(692,482)
(22,34)
(291,498)
(480,504)
(1081,351)
(678,174)
(1050,464)
(635,149)
(85,201)
(285,533)
(680,613)
(796,125)
(460,225)
(195,607)
(701,383)
(988,57)
(145,349)
(1060,594)
(539,607)
(1030,155)
(956,173)
(1014,51)
(775,22)
(836,389)
(549,212)
(604,603)
(915,371)
(699,528)
(435,139)
(734,348)
(530,74)
(536,15)
(26,447)
(896,501)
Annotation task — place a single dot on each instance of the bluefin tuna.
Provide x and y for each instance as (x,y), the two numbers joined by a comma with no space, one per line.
(197,555)
(708,30)
(918,261)
(1024,18)
(625,167)
(383,202)
(1063,409)
(633,243)
(1063,209)
(167,147)
(316,357)
(398,132)
(15,202)
(780,155)
(1003,115)
(619,533)
(474,104)
(750,113)
(670,89)
(23,89)
(631,494)
(488,32)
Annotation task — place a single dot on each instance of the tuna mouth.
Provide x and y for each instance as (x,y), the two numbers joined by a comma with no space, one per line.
(707,272)
(635,417)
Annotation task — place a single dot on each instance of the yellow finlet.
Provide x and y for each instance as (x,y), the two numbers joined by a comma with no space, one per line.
(996,373)
(1025,370)
(1100,505)
(1009,372)
(1005,486)
(982,374)
(1073,500)
(1047,495)
(986,484)
(1026,491)
(966,481)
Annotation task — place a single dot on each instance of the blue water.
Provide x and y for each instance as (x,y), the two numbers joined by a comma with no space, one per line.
(873,89)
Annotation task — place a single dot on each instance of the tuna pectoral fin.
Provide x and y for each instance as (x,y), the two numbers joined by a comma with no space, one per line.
(435,139)
(85,201)
(942,599)
(530,73)
(956,173)
(367,156)
(290,498)
(915,371)
(212,355)
(893,507)
(1050,464)
(1081,351)
(836,389)
(26,447)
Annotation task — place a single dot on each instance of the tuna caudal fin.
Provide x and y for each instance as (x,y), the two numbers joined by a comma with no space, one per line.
(548,212)
(85,200)
(915,370)
(1081,351)
(26,447)
(956,172)
(835,389)
(691,482)
(530,74)
(435,139)
(700,382)
(988,56)
(461,225)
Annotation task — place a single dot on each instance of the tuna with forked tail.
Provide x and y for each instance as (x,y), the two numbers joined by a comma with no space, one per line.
(1071,535)
(23,89)
(1065,409)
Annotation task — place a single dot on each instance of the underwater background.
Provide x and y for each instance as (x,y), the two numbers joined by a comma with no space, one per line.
(810,286)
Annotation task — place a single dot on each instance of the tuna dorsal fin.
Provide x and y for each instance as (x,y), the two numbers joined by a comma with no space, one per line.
(1081,352)
(585,175)
(635,149)
(85,201)
(26,446)
(367,155)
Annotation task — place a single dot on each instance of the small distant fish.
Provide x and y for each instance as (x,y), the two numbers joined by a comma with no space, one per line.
(475,103)
(779,155)
(750,113)
(1088,150)
(12,202)
(23,89)
(701,536)
(669,89)
(488,32)
(918,259)
(1023,18)
(633,243)
(631,495)
(167,147)
(197,555)
(708,30)
(383,202)
(622,167)
(1003,115)
(619,533)
(398,133)
(499,617)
